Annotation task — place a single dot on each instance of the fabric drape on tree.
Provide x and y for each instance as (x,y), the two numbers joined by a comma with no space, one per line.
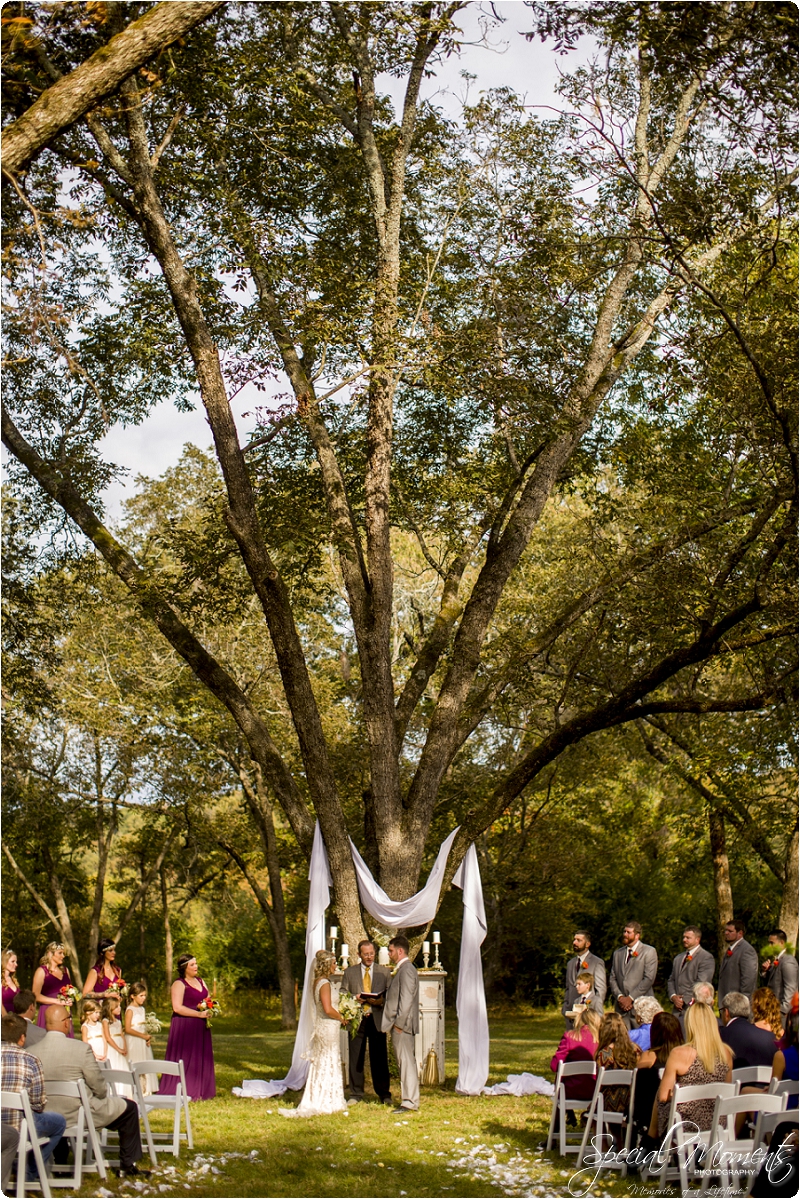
(473,1024)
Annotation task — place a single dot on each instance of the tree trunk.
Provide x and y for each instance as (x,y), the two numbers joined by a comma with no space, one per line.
(788,917)
(722,872)
(167,929)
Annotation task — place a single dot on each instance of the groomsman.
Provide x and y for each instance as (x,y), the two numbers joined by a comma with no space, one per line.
(401,1018)
(694,965)
(584,960)
(739,968)
(364,977)
(633,971)
(780,971)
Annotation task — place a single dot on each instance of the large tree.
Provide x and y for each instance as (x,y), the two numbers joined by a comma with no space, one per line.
(476,320)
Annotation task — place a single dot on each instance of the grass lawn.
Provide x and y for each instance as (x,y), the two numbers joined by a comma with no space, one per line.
(454,1147)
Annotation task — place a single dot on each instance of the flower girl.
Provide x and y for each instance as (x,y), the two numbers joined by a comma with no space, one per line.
(116,1048)
(92,1029)
(136,1034)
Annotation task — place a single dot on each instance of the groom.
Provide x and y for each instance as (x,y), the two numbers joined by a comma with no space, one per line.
(401,1018)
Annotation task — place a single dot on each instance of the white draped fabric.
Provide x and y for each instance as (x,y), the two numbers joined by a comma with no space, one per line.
(473,1025)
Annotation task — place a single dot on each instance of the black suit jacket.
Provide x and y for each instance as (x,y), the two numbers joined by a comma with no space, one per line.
(751,1046)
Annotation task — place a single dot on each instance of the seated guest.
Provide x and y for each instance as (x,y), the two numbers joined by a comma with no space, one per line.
(703,1059)
(10,1145)
(703,993)
(21,1071)
(666,1034)
(785,1063)
(67,1060)
(615,1051)
(25,1006)
(645,1008)
(751,1046)
(578,1044)
(767,1012)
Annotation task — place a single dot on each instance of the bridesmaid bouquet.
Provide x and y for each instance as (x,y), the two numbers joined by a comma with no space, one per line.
(69,995)
(211,1007)
(152,1024)
(351,1009)
(118,987)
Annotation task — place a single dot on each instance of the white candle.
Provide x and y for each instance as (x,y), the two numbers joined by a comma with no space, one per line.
(437,938)
(345,949)
(333,932)
(426,946)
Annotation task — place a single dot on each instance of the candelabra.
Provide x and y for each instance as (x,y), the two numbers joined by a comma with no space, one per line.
(437,940)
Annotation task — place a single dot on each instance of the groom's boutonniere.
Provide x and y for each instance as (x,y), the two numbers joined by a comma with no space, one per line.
(634,953)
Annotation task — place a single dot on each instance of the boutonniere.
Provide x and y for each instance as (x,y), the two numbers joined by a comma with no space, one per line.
(729,954)
(634,953)
(584,965)
(776,961)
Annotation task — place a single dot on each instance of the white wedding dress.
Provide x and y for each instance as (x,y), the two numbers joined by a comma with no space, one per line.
(324,1091)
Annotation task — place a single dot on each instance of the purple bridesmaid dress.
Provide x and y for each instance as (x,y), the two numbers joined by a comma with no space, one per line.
(8,998)
(102,983)
(190,1039)
(51,987)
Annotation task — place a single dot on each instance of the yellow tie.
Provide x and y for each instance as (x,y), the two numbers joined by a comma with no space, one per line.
(367,985)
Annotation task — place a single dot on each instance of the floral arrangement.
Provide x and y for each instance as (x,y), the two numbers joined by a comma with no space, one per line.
(210,1007)
(152,1024)
(69,995)
(118,987)
(351,1010)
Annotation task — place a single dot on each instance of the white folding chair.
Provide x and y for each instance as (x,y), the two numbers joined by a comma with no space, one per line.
(746,1075)
(766,1124)
(87,1151)
(685,1146)
(731,1156)
(784,1086)
(177,1103)
(20,1101)
(604,1122)
(562,1105)
(119,1082)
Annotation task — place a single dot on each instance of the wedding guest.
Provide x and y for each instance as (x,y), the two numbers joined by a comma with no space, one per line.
(633,971)
(22,1071)
(703,1059)
(780,970)
(104,973)
(8,965)
(766,1012)
(64,1060)
(365,977)
(751,1046)
(645,1009)
(401,1019)
(578,1044)
(739,968)
(48,979)
(666,1034)
(693,965)
(584,961)
(703,993)
(189,1034)
(25,1006)
(785,1062)
(615,1051)
(136,1035)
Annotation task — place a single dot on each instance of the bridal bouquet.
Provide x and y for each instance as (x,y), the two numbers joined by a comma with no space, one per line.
(69,995)
(152,1024)
(351,1010)
(210,1007)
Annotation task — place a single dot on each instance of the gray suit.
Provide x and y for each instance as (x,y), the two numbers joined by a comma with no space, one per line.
(575,966)
(700,969)
(369,1034)
(634,977)
(401,1018)
(33,1034)
(782,981)
(739,972)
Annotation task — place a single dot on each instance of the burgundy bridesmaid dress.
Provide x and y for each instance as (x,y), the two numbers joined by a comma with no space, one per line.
(51,988)
(190,1039)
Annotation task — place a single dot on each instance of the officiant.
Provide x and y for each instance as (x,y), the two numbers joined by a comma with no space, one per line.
(369,981)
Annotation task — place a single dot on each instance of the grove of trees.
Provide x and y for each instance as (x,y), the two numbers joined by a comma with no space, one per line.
(514,548)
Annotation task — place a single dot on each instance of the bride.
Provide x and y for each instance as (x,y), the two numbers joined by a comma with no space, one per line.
(324,1092)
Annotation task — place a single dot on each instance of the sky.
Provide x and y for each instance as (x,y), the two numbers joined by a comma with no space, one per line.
(506,60)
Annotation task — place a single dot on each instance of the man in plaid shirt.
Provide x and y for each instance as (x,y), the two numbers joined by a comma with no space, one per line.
(22,1071)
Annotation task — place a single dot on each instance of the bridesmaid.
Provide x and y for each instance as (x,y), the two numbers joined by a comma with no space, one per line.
(48,980)
(104,973)
(8,964)
(189,1035)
